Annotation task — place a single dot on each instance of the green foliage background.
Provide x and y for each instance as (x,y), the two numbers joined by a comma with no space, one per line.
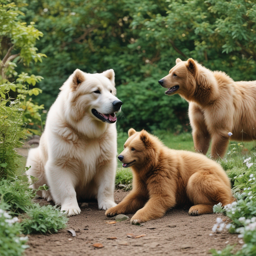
(140,40)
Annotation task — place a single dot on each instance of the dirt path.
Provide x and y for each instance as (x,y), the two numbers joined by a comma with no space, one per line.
(176,233)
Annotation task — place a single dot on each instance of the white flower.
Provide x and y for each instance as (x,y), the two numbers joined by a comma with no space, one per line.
(247,222)
(247,160)
(222,225)
(241,219)
(219,220)
(23,238)
(234,204)
(251,175)
(214,228)
(230,134)
(6,215)
(249,164)
(45,10)
(72,13)
(1,211)
(228,226)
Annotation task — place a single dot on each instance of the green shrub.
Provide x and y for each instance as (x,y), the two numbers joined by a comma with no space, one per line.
(11,241)
(45,219)
(242,212)
(16,194)
(123,176)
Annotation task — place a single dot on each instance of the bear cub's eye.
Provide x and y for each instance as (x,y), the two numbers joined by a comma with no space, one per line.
(110,91)
(174,74)
(97,91)
(132,149)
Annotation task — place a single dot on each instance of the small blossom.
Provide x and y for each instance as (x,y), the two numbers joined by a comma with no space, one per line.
(24,238)
(214,228)
(247,160)
(251,175)
(230,134)
(6,215)
(249,164)
(219,220)
(228,226)
(45,10)
(241,219)
(234,204)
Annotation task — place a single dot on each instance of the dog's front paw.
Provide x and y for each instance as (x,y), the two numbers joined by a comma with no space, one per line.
(69,210)
(135,221)
(104,205)
(47,195)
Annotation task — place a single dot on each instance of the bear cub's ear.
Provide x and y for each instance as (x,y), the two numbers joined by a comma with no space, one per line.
(145,138)
(192,67)
(131,132)
(178,60)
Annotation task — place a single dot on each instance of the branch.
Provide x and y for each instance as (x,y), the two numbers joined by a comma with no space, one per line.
(7,55)
(246,52)
(12,57)
(84,35)
(177,50)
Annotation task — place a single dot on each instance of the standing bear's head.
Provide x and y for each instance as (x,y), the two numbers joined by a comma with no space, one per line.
(140,149)
(181,78)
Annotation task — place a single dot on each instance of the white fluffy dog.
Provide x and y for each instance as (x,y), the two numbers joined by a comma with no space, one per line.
(76,156)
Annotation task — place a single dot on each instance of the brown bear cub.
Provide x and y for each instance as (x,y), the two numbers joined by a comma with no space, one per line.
(218,106)
(164,178)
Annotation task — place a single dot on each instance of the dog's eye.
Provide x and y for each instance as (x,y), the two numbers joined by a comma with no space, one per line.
(132,149)
(110,91)
(97,91)
(174,74)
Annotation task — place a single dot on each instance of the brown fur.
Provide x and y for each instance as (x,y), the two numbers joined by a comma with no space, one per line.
(217,105)
(164,178)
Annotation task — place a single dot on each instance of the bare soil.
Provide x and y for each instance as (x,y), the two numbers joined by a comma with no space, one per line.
(176,233)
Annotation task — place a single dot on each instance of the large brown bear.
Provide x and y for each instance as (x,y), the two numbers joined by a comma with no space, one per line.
(218,106)
(164,178)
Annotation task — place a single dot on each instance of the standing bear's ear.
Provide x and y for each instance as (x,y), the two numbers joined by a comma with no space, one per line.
(131,132)
(78,78)
(145,138)
(178,60)
(192,67)
(110,74)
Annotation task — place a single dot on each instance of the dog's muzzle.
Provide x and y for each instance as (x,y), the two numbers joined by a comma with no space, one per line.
(117,105)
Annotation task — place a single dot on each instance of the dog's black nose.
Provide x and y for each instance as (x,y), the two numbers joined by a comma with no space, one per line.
(117,104)
(120,157)
(161,82)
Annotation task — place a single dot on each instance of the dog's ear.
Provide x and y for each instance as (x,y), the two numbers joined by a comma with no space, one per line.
(78,78)
(110,74)
(145,138)
(131,132)
(191,66)
(178,60)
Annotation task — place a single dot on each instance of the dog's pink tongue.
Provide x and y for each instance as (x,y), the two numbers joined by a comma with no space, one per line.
(112,118)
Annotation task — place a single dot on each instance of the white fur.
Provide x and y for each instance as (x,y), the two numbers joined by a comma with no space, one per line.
(76,156)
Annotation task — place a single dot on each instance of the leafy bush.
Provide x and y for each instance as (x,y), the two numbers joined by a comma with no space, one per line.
(16,194)
(242,212)
(16,110)
(45,219)
(123,176)
(11,242)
